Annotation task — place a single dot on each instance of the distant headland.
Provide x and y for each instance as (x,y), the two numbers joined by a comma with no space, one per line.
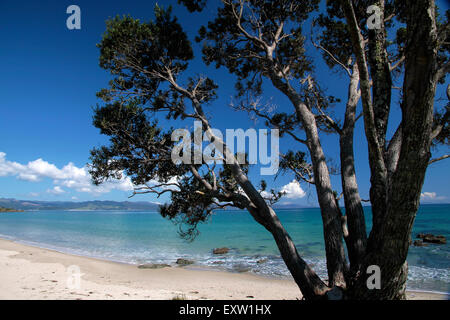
(96,205)
(31,205)
(9,210)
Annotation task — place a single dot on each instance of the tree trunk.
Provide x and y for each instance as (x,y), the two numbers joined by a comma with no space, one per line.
(378,172)
(381,77)
(311,286)
(357,237)
(331,215)
(389,245)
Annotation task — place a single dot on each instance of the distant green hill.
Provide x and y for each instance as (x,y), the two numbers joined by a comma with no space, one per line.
(28,205)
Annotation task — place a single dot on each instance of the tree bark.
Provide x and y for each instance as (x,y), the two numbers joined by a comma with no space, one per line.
(389,245)
(378,177)
(381,77)
(311,286)
(357,237)
(331,215)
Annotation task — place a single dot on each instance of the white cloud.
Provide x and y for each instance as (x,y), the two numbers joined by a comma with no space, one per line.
(428,195)
(69,176)
(293,190)
(265,194)
(56,190)
(7,167)
(431,196)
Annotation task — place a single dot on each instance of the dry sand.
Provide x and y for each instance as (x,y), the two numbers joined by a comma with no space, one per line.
(28,272)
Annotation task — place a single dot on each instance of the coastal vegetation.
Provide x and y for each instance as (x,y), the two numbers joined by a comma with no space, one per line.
(9,210)
(263,44)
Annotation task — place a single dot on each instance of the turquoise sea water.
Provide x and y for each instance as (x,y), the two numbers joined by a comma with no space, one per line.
(142,237)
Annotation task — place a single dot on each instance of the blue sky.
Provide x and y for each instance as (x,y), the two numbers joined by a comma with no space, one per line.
(49,79)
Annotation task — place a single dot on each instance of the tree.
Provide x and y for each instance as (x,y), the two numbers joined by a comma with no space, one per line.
(262,42)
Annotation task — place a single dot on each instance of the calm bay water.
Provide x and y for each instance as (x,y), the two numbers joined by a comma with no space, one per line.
(142,237)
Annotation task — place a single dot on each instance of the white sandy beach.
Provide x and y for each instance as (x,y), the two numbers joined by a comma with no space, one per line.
(28,272)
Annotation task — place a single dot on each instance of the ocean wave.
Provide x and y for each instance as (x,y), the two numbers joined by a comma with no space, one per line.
(416,273)
(419,278)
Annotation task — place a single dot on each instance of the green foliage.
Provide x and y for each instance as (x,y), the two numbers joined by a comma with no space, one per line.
(133,51)
(441,118)
(296,162)
(145,59)
(224,44)
(444,49)
(193,5)
(137,146)
(334,35)
(188,207)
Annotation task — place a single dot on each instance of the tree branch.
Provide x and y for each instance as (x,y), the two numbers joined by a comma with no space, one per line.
(439,159)
(318,46)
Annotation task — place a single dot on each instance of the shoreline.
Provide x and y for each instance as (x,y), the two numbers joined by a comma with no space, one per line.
(30,272)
